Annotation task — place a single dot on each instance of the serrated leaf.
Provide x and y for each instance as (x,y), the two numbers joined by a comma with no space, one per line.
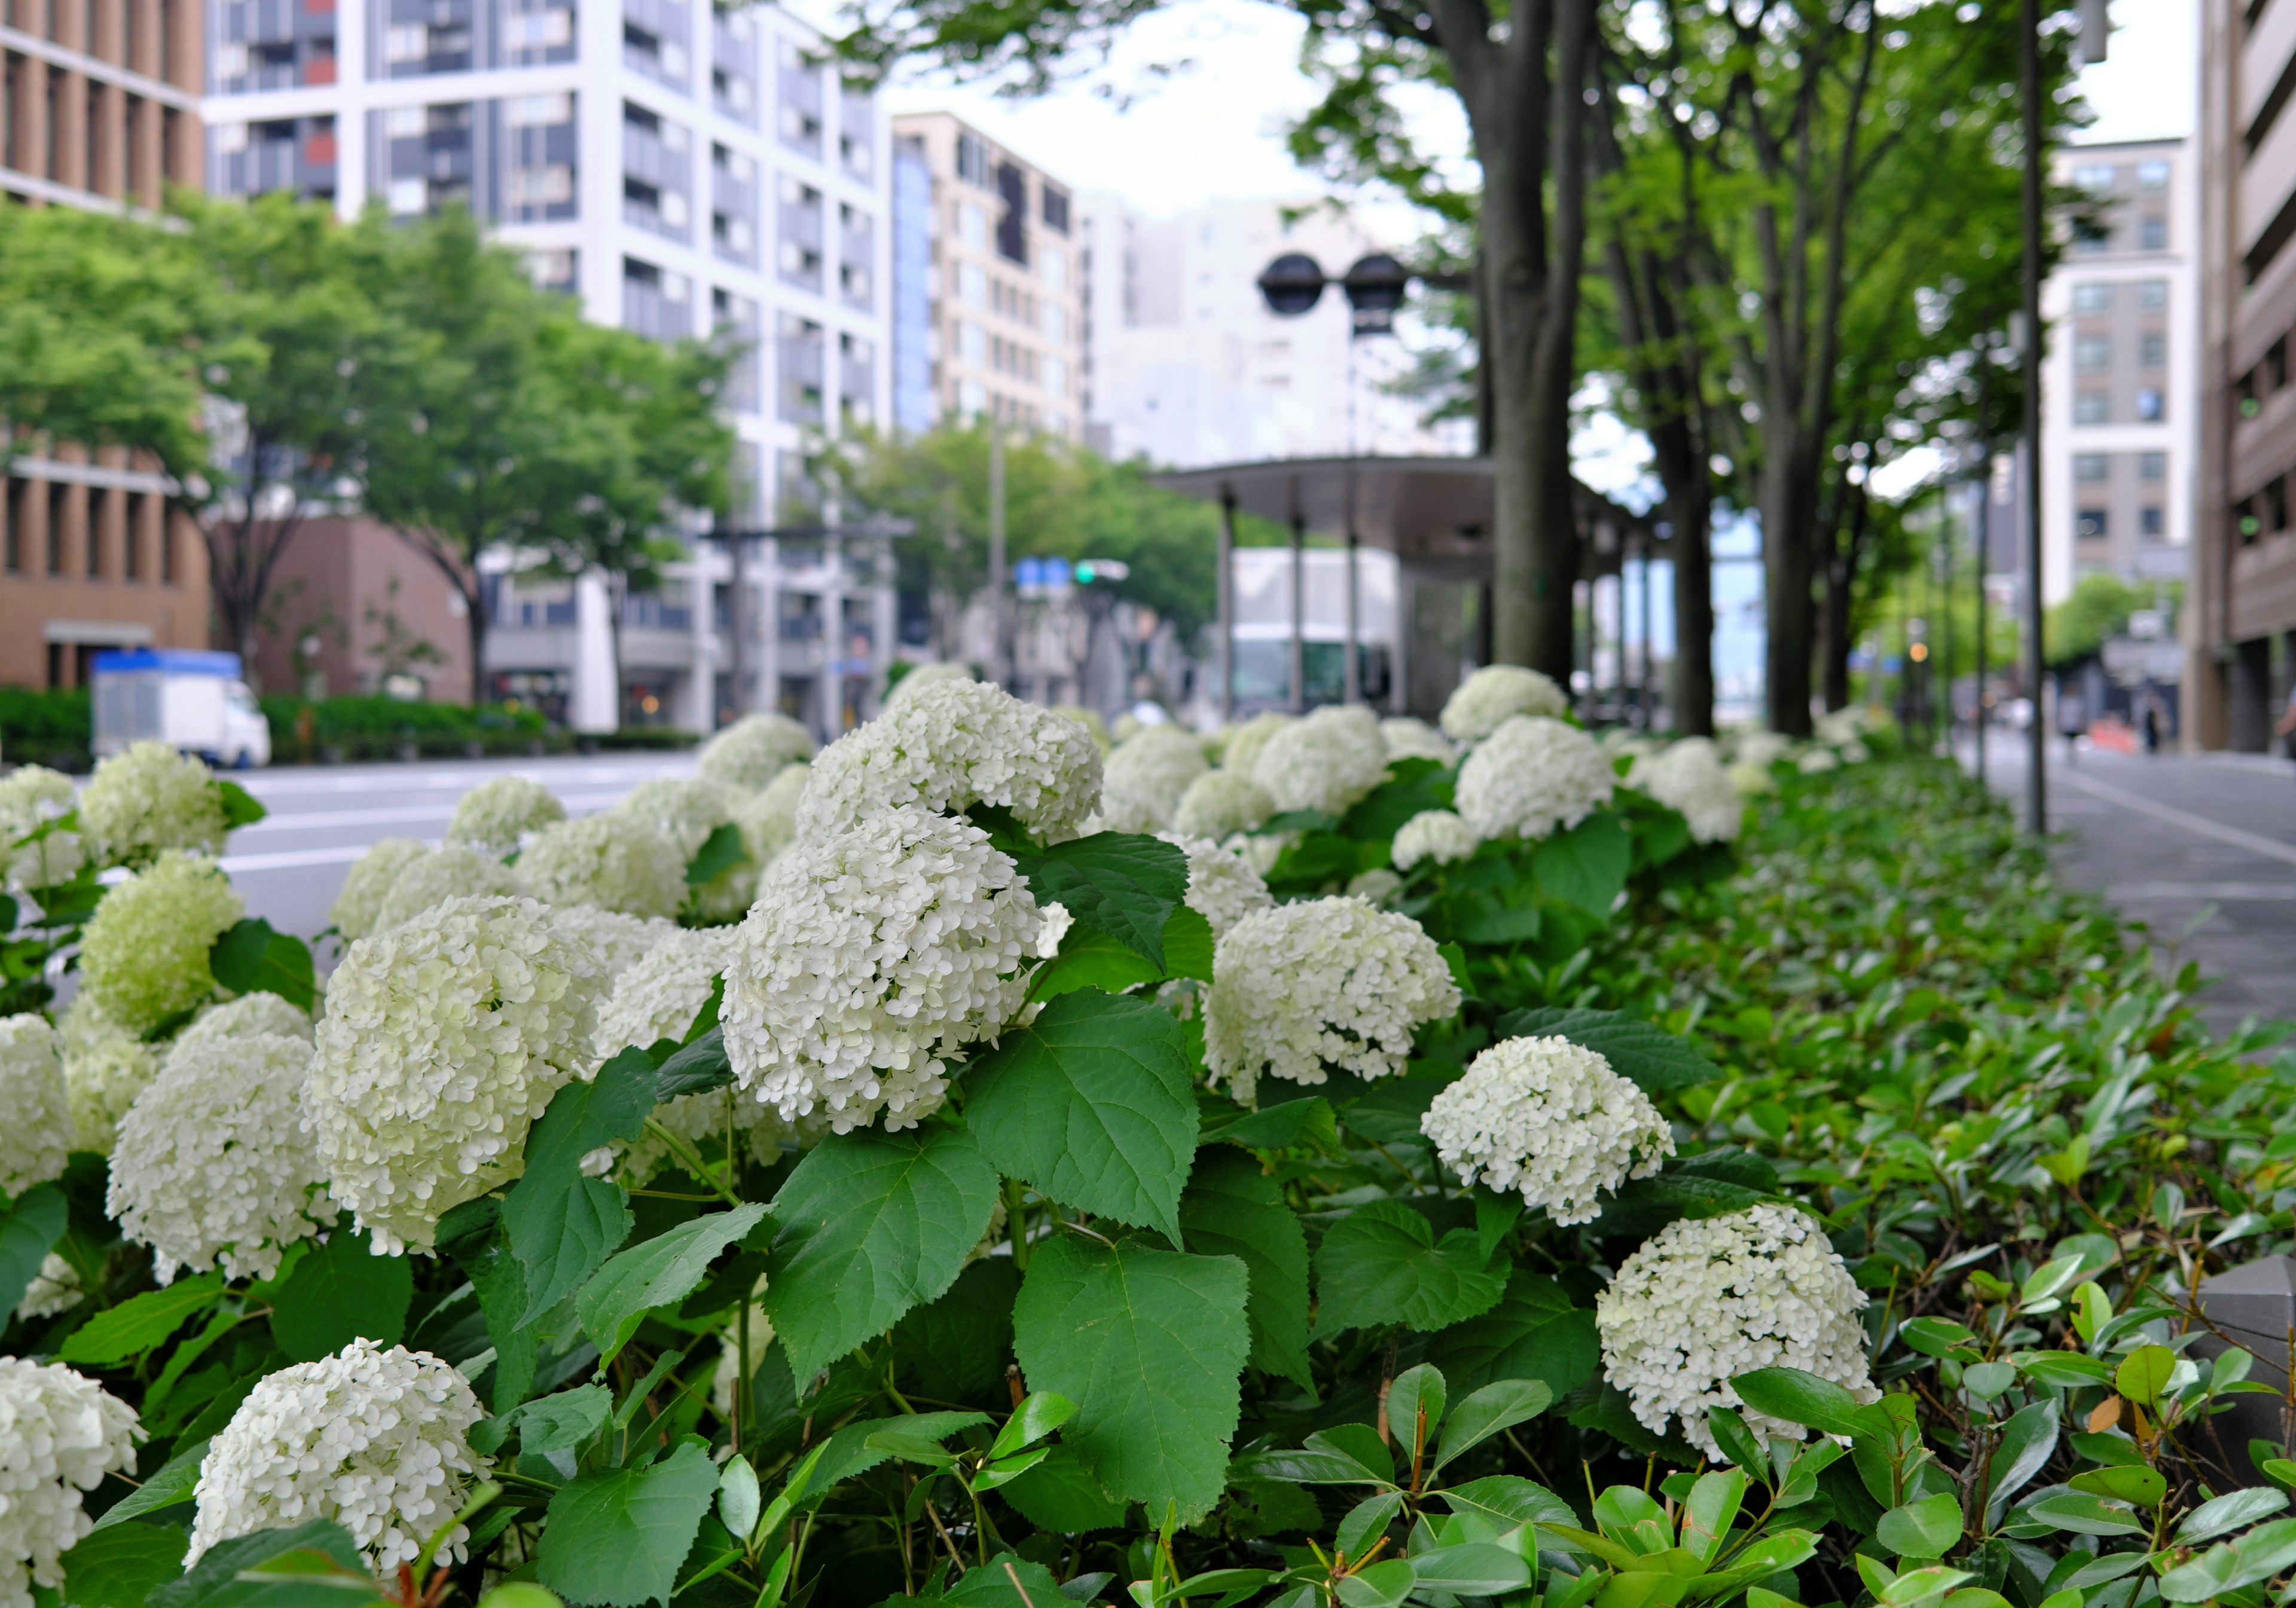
(1712,1184)
(214,1582)
(1149,1344)
(1091,958)
(1059,1495)
(173,1481)
(1309,1122)
(1587,865)
(136,1325)
(1641,1051)
(1233,1209)
(472,1235)
(560,1225)
(1006,1580)
(566,1421)
(1093,1106)
(616,1537)
(956,1347)
(699,1064)
(118,1566)
(1188,945)
(29,1230)
(1534,1333)
(249,957)
(721,851)
(659,1272)
(338,1292)
(1122,883)
(1381,1264)
(871,1224)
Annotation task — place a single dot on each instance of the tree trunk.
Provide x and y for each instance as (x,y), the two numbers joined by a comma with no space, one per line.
(1789,516)
(1845,547)
(474,623)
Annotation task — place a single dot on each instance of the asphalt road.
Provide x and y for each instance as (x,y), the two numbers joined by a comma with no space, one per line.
(289,866)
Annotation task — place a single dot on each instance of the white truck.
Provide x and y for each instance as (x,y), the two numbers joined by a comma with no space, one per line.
(195,701)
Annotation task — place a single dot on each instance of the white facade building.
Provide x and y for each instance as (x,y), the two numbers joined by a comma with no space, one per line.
(2121,381)
(1185,364)
(683,171)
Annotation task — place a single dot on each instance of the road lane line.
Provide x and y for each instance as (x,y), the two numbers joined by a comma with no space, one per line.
(2271,848)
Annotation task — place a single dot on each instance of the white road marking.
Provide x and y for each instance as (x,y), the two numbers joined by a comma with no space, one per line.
(2271,848)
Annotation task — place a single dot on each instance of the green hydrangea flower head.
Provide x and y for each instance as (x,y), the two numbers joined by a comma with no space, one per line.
(144,954)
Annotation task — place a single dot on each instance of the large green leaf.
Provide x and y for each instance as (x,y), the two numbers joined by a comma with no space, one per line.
(1799,1397)
(1061,1495)
(1121,884)
(1412,787)
(1006,1581)
(472,1235)
(1233,1209)
(871,1224)
(956,1349)
(340,1292)
(720,852)
(29,1230)
(1149,1344)
(1304,1121)
(699,1064)
(249,957)
(1534,1333)
(314,1544)
(1587,865)
(560,1225)
(1092,1106)
(118,1566)
(660,1272)
(616,1537)
(1381,1264)
(1091,958)
(1711,1185)
(174,1482)
(134,1326)
(1636,1049)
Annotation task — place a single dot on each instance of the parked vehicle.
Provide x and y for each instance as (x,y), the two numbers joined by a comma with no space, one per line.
(192,699)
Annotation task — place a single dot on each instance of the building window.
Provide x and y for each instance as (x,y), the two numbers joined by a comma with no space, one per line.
(2148,403)
(972,161)
(2152,174)
(2152,350)
(2092,352)
(2153,234)
(2151,294)
(131,541)
(57,492)
(2095,175)
(99,508)
(2088,525)
(2092,466)
(2151,466)
(2092,407)
(2148,524)
(1055,209)
(2092,298)
(166,547)
(13,512)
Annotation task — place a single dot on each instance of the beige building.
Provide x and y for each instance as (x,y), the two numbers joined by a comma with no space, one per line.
(2243,625)
(98,107)
(988,282)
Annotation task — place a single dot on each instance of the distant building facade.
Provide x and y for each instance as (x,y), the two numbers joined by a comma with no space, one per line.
(989,311)
(680,168)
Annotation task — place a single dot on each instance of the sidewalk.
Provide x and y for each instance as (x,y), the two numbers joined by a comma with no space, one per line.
(2201,848)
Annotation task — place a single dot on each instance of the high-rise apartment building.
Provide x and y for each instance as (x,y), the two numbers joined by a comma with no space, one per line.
(98,107)
(2241,619)
(2119,385)
(683,169)
(988,315)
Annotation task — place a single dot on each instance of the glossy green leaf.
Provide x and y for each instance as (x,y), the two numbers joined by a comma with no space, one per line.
(658,1272)
(2082,1514)
(29,1228)
(214,1582)
(1926,1528)
(561,1225)
(1381,1264)
(136,1325)
(1121,884)
(249,957)
(1232,1208)
(1641,1051)
(2221,1515)
(2144,1373)
(1801,1398)
(120,1565)
(1490,1411)
(2138,1487)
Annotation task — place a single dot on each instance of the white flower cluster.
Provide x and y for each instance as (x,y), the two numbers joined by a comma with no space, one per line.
(1752,780)
(1330,982)
(621,941)
(455,871)
(375,1440)
(443,1040)
(1688,777)
(686,811)
(105,1067)
(870,954)
(143,954)
(948,745)
(1495,694)
(755,749)
(54,1288)
(148,798)
(30,796)
(1220,803)
(1533,777)
(613,860)
(1761,748)
(1325,761)
(1436,835)
(60,1435)
(212,1164)
(1551,1119)
(1375,886)
(368,882)
(1816,761)
(35,1120)
(1705,1300)
(919,677)
(1146,779)
(1409,738)
(1223,887)
(1838,728)
(249,1016)
(768,819)
(499,814)
(1089,718)
(1241,751)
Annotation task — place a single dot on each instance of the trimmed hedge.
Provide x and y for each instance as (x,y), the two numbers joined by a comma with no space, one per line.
(39,727)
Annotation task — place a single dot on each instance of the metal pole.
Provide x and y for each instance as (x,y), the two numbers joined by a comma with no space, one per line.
(831,690)
(1949,644)
(1226,604)
(1649,641)
(737,613)
(1298,699)
(999,646)
(1353,682)
(2028,82)
(1984,554)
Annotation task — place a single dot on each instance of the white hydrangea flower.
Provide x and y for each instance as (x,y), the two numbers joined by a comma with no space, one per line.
(499,814)
(1762,748)
(145,952)
(443,1040)
(918,677)
(951,745)
(1855,754)
(1551,1119)
(1325,761)
(245,1018)
(1408,737)
(30,796)
(455,871)
(686,811)
(1373,886)
(1838,728)
(105,1067)
(1147,777)
(768,819)
(1330,982)
(870,954)
(1533,777)
(1089,718)
(1816,761)
(1223,887)
(376,1439)
(1705,1300)
(1220,803)
(658,995)
(368,882)
(1436,835)
(621,941)
(1495,694)
(55,1289)
(613,860)
(1689,777)
(147,799)
(1752,780)
(754,750)
(1262,849)
(1241,750)
(60,1435)
(36,1119)
(212,1164)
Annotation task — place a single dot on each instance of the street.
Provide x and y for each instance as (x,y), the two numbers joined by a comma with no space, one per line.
(2201,848)
(290,865)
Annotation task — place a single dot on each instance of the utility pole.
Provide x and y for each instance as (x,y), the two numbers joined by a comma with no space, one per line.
(999,660)
(2029,83)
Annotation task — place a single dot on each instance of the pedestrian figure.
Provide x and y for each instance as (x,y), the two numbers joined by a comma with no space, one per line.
(2152,725)
(2072,718)
(2287,725)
